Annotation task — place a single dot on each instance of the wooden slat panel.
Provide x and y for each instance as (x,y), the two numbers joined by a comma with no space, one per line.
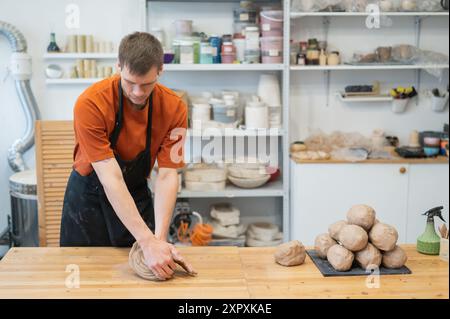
(55,143)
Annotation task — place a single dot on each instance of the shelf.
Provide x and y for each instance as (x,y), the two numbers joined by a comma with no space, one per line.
(235,132)
(274,189)
(80,56)
(345,67)
(71,81)
(223,67)
(365,99)
(295,15)
(209,1)
(395,160)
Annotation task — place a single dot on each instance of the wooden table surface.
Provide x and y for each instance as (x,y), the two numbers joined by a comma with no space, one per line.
(224,272)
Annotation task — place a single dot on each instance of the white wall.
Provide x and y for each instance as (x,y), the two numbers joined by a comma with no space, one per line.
(107,20)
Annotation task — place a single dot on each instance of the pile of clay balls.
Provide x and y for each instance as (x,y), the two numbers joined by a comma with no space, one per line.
(361,239)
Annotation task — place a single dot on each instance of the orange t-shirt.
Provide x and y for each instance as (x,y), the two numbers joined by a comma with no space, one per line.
(94,121)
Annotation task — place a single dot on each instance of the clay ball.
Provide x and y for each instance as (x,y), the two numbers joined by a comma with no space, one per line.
(290,254)
(340,258)
(383,236)
(322,243)
(368,256)
(353,237)
(361,215)
(395,258)
(335,228)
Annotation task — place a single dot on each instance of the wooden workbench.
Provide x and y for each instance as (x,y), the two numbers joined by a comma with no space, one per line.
(224,272)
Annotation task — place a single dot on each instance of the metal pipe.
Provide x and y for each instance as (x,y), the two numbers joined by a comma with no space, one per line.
(21,71)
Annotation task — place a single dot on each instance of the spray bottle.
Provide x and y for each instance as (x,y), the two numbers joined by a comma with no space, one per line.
(429,242)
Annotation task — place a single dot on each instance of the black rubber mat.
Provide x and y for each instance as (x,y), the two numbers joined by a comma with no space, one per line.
(328,271)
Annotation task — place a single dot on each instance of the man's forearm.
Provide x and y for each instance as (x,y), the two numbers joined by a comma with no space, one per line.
(166,188)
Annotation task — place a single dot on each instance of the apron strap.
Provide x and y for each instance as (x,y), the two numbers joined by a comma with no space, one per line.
(119,117)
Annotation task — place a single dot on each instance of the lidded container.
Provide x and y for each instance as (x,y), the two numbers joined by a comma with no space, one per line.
(272,50)
(272,23)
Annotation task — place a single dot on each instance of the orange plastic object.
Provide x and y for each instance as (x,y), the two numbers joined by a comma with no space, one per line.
(201,235)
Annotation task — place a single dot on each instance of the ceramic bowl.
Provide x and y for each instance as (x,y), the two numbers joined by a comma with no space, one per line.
(54,71)
(431,151)
(249,183)
(432,141)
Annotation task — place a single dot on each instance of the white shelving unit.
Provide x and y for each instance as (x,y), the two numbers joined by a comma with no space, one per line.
(326,16)
(277,190)
(274,189)
(80,56)
(236,132)
(71,81)
(348,67)
(223,67)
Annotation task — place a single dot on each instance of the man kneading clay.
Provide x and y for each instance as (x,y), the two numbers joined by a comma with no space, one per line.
(123,124)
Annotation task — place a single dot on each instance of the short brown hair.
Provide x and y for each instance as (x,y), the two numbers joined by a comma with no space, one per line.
(139,52)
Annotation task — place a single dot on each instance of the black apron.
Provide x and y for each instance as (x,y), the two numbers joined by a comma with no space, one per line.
(88,218)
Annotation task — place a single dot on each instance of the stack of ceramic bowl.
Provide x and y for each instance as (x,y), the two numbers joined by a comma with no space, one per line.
(205,179)
(263,235)
(432,146)
(225,220)
(248,175)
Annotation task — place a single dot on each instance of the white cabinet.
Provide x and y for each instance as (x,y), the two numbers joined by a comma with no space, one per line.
(428,188)
(321,194)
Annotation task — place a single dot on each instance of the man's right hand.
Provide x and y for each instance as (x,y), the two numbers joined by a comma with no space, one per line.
(159,258)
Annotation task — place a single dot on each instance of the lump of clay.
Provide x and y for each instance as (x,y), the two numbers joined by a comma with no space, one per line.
(335,228)
(322,244)
(290,254)
(383,236)
(137,263)
(353,237)
(368,256)
(395,258)
(340,258)
(361,215)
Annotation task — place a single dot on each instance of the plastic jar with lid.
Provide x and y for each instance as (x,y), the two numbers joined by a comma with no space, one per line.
(187,52)
(228,53)
(252,38)
(216,44)
(206,53)
(239,44)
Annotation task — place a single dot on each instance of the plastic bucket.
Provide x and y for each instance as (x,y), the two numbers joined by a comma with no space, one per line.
(272,23)
(272,49)
(439,103)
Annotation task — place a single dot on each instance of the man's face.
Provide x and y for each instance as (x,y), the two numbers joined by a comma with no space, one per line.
(137,88)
